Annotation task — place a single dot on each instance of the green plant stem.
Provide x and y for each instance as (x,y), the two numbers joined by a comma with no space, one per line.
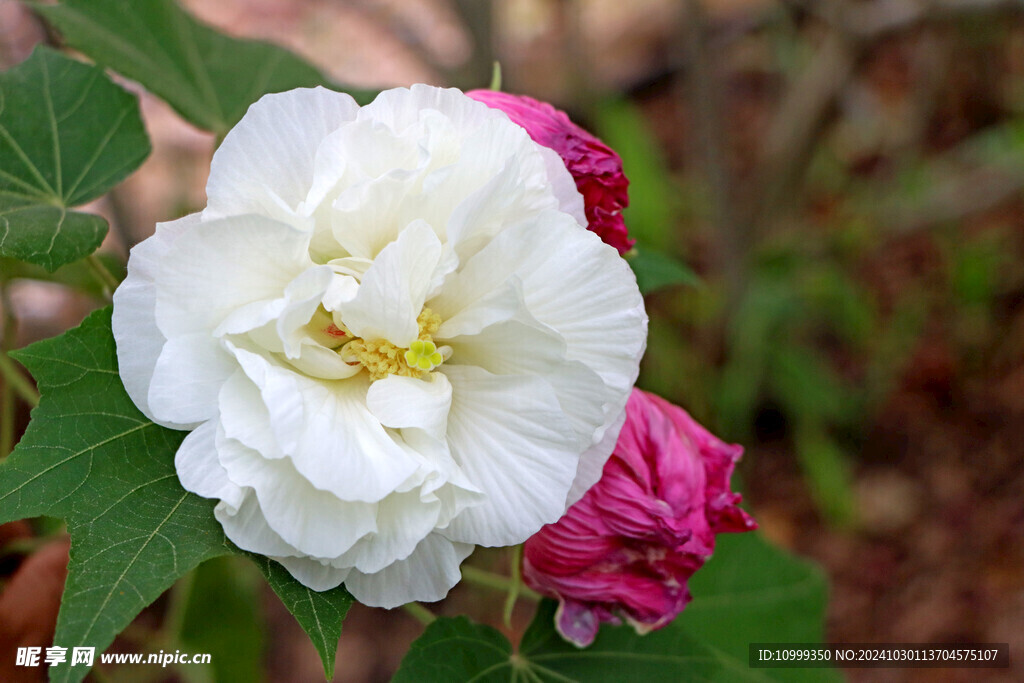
(7,416)
(177,607)
(420,613)
(16,381)
(517,584)
(108,281)
(482,577)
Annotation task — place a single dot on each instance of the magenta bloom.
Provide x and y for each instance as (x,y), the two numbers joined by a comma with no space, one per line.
(596,169)
(629,545)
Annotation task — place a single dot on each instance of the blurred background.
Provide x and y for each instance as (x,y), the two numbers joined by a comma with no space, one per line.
(844,179)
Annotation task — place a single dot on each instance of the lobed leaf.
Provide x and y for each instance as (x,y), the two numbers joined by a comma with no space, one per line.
(209,78)
(90,457)
(319,614)
(750,592)
(67,135)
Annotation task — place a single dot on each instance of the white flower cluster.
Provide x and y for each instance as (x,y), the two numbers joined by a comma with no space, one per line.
(391,334)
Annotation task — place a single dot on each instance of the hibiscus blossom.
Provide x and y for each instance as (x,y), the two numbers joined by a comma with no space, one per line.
(595,166)
(390,334)
(630,545)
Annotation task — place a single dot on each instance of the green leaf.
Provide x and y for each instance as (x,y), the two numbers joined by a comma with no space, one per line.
(90,457)
(457,650)
(749,592)
(655,270)
(209,78)
(223,618)
(78,275)
(67,135)
(319,614)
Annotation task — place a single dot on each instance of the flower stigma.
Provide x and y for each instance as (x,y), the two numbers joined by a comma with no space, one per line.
(382,358)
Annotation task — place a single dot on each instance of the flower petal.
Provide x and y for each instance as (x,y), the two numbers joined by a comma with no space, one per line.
(426,575)
(401,402)
(247,528)
(271,151)
(328,432)
(200,471)
(510,437)
(394,288)
(278,486)
(198,287)
(139,340)
(313,573)
(187,379)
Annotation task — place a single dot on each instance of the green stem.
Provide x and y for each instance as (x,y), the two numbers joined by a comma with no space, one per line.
(16,381)
(7,416)
(108,281)
(177,607)
(517,584)
(496,582)
(420,613)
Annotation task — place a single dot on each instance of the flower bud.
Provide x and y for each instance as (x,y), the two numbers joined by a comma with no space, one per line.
(628,547)
(596,169)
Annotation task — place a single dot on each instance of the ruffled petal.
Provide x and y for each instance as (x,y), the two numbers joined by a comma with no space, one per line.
(313,573)
(509,436)
(200,471)
(402,402)
(198,285)
(278,487)
(395,287)
(139,340)
(188,377)
(328,432)
(426,575)
(270,153)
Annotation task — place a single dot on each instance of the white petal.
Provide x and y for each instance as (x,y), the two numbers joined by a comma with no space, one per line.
(573,283)
(312,521)
(271,151)
(187,379)
(409,402)
(328,432)
(569,198)
(313,573)
(221,265)
(200,471)
(508,434)
(138,338)
(303,296)
(427,575)
(393,290)
(316,361)
(245,418)
(593,460)
(247,528)
(403,521)
(400,108)
(516,348)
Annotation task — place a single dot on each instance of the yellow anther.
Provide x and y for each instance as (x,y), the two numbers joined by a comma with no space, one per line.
(382,358)
(429,323)
(423,355)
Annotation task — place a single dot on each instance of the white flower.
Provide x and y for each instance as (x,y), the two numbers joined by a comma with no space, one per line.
(391,336)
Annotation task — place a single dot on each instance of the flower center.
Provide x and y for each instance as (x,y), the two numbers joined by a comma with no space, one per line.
(382,358)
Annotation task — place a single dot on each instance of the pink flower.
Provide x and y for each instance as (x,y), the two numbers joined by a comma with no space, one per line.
(629,545)
(596,169)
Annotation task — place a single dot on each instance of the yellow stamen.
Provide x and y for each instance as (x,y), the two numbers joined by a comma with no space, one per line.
(382,358)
